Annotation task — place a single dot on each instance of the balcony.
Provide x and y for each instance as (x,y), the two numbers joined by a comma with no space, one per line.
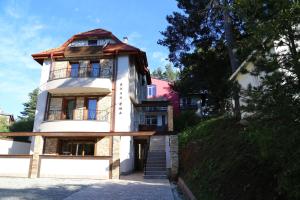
(78,114)
(80,80)
(78,120)
(82,72)
(155,116)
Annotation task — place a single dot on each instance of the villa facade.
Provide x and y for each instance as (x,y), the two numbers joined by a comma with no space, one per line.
(90,118)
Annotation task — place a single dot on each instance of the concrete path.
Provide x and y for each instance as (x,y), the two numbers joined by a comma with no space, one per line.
(131,187)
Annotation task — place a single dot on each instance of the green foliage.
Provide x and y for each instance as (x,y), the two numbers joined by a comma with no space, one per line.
(21,125)
(168,73)
(3,125)
(221,159)
(197,45)
(30,106)
(26,121)
(185,119)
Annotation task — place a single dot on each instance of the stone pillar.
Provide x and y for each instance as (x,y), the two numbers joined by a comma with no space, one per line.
(115,165)
(170,118)
(103,146)
(174,156)
(37,151)
(51,146)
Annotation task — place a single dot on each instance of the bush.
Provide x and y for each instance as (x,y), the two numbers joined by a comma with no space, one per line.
(21,125)
(185,119)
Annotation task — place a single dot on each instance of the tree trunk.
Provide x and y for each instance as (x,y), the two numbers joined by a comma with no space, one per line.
(232,56)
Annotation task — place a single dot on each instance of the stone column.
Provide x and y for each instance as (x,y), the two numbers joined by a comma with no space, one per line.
(115,165)
(103,146)
(174,156)
(170,118)
(37,151)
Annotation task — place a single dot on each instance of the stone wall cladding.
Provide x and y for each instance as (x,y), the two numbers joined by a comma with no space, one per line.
(116,158)
(174,156)
(103,146)
(51,146)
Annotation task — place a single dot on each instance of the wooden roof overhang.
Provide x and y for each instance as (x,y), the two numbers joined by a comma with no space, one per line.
(118,48)
(77,134)
(84,134)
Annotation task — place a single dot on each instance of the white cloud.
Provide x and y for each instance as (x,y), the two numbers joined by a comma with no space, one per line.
(161,58)
(21,35)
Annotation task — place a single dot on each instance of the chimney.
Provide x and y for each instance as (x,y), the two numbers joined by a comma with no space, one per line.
(125,40)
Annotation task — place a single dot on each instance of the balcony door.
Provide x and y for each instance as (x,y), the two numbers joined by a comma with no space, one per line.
(95,69)
(74,70)
(70,105)
(92,108)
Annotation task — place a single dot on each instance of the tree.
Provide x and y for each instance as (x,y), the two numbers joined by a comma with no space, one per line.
(26,121)
(205,26)
(168,74)
(30,106)
(158,73)
(3,124)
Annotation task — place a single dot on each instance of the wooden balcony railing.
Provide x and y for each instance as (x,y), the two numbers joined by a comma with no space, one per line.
(78,114)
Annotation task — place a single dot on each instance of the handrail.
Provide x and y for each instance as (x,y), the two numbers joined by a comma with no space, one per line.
(77,114)
(81,72)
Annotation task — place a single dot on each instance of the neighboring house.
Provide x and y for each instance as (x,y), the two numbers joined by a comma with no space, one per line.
(245,78)
(160,91)
(91,101)
(7,118)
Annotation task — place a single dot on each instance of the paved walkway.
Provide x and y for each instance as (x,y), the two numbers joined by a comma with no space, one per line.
(131,187)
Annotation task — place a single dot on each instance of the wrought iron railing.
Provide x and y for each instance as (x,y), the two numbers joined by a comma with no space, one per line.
(81,72)
(78,114)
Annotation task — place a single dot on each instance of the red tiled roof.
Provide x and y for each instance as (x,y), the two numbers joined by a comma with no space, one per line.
(110,49)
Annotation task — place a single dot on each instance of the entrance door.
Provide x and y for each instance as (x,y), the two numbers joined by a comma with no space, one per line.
(140,150)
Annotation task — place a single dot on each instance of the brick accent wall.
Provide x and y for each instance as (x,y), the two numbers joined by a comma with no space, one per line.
(51,146)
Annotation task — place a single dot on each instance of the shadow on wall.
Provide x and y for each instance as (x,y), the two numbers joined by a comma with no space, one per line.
(19,148)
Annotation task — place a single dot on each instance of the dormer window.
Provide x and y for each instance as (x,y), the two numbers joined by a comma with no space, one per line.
(92,42)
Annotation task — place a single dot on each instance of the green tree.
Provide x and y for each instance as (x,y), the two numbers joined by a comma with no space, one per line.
(3,125)
(26,121)
(30,106)
(168,74)
(204,36)
(158,73)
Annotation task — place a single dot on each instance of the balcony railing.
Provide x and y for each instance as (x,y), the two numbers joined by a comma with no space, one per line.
(152,127)
(78,114)
(81,72)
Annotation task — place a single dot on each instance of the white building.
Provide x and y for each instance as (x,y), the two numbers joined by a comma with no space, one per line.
(92,93)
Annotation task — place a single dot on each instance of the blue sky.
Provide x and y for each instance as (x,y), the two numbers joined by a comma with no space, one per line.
(30,26)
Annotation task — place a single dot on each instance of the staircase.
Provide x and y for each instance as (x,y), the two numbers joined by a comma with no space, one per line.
(156,159)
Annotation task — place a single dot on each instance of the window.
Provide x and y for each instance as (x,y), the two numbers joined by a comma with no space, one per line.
(74,69)
(92,42)
(92,109)
(151,119)
(151,91)
(95,69)
(77,148)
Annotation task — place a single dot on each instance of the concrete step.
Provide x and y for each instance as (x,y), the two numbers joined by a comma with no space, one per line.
(156,161)
(156,157)
(155,169)
(155,176)
(155,173)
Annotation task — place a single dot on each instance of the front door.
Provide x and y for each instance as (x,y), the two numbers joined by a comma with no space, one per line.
(140,151)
